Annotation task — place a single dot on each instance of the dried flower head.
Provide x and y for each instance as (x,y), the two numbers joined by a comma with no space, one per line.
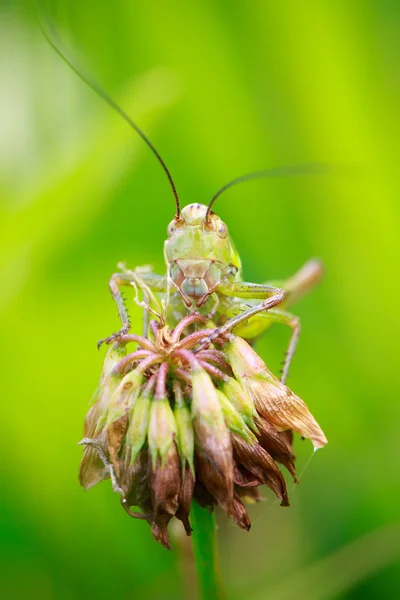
(181,418)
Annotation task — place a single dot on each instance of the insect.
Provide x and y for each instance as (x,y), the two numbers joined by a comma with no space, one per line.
(203,268)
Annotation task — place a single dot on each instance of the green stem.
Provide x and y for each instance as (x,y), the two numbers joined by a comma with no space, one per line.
(205,553)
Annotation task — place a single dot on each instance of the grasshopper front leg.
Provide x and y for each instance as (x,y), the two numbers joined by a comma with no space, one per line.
(251,321)
(128,278)
(271,296)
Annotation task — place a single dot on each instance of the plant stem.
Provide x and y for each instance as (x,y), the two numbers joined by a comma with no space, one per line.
(205,553)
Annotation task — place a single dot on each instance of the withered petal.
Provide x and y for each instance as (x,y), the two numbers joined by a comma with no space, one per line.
(203,496)
(165,486)
(244,478)
(160,534)
(92,469)
(115,436)
(284,410)
(239,514)
(257,460)
(220,487)
(185,499)
(277,445)
(134,482)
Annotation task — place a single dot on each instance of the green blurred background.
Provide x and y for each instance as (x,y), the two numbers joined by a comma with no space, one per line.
(222,87)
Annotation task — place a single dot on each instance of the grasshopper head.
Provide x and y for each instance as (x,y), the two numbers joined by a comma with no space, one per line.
(199,254)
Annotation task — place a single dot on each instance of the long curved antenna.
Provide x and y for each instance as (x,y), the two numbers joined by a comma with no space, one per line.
(306,169)
(103,94)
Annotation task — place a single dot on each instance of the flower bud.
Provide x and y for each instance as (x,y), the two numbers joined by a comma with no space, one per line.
(138,425)
(124,396)
(161,430)
(233,419)
(115,353)
(240,400)
(185,434)
(211,434)
(273,400)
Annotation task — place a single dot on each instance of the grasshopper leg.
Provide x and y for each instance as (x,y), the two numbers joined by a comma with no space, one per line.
(280,316)
(130,278)
(273,296)
(117,280)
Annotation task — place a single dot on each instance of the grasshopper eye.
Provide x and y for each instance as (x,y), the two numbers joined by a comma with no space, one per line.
(222,230)
(174,225)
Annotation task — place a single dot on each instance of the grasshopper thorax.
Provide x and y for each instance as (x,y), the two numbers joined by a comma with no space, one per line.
(199,254)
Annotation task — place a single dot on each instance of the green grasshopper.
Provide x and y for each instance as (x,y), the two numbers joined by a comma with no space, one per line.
(203,268)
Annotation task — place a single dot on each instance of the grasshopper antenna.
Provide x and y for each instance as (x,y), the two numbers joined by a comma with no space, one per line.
(52,38)
(306,169)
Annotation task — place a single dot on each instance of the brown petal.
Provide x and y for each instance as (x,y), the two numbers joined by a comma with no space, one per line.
(115,436)
(212,437)
(261,464)
(92,469)
(239,514)
(134,482)
(165,485)
(272,399)
(220,487)
(283,409)
(276,445)
(203,496)
(243,478)
(160,534)
(185,499)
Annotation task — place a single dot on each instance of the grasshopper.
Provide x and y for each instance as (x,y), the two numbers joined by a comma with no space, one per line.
(203,267)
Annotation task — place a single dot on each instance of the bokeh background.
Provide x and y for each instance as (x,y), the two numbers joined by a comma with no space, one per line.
(222,87)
